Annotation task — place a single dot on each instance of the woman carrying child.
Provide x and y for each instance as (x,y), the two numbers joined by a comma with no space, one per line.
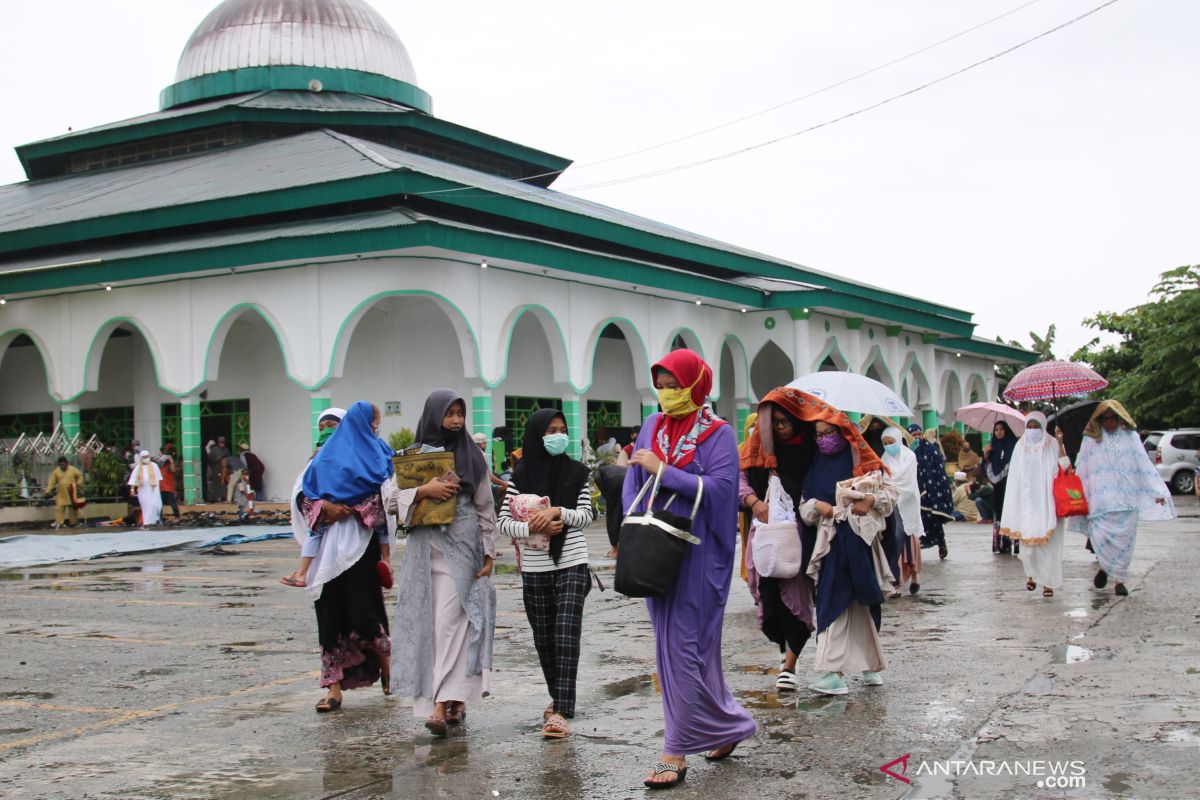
(555,575)
(446,604)
(341,504)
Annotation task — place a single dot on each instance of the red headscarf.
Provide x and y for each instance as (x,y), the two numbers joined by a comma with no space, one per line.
(675,440)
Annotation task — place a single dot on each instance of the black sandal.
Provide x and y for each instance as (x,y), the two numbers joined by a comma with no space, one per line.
(328,704)
(659,769)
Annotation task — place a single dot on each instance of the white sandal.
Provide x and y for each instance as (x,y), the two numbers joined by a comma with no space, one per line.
(786,682)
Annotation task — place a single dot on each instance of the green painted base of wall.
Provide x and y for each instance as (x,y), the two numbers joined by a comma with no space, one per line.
(573,415)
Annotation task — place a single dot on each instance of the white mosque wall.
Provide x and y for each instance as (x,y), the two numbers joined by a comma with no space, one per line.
(614,379)
(23,382)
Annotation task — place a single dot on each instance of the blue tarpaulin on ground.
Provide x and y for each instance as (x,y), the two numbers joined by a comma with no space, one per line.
(35,549)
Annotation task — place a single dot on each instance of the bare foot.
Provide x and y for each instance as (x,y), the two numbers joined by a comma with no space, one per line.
(611,553)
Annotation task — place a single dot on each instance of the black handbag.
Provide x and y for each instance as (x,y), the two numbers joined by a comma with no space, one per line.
(653,545)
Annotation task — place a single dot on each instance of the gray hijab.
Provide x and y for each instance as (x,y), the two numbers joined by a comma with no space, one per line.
(469,463)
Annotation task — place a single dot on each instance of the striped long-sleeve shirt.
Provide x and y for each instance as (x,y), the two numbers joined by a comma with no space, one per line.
(574,521)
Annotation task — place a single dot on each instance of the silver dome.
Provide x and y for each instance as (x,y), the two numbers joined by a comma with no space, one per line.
(335,34)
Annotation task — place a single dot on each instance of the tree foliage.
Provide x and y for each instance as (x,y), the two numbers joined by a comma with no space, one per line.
(1152,368)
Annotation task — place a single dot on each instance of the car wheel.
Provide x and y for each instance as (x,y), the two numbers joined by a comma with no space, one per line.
(1184,482)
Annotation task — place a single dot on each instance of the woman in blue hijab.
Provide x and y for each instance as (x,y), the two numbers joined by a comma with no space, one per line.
(341,503)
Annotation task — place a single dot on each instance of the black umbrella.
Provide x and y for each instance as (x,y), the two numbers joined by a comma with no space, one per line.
(1073,419)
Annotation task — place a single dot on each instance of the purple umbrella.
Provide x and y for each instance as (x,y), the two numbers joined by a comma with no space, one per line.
(1050,380)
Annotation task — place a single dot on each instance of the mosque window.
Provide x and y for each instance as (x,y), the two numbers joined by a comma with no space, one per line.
(13,425)
(602,417)
(518,410)
(155,149)
(113,425)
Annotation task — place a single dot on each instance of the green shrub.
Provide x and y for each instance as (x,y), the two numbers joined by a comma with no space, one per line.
(108,472)
(401,439)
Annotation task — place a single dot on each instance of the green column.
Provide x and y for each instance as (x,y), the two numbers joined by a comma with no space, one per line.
(648,409)
(576,423)
(960,427)
(319,403)
(189,431)
(68,416)
(481,419)
(854,416)
(985,439)
(929,419)
(743,412)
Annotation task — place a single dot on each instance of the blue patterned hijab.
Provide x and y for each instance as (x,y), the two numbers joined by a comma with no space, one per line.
(352,465)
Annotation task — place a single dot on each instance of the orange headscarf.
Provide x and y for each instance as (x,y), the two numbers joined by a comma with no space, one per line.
(759,449)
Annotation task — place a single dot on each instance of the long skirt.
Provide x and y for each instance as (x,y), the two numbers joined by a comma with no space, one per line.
(1043,562)
(1113,536)
(450,639)
(851,643)
(785,605)
(352,624)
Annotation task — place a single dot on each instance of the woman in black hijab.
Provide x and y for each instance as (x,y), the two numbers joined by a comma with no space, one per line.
(555,576)
(997,458)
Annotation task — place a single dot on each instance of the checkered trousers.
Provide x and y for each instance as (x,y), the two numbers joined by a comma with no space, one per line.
(554,606)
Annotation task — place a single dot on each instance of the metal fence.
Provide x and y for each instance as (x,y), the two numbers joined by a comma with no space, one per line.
(26,463)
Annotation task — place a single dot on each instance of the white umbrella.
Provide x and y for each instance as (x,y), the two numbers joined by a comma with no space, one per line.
(848,391)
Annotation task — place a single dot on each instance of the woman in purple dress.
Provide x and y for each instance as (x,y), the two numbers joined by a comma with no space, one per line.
(685,442)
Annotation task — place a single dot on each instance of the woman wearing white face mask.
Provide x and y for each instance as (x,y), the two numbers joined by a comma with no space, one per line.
(902,466)
(555,579)
(1029,516)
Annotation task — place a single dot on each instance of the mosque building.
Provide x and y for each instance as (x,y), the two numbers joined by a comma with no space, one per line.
(295,229)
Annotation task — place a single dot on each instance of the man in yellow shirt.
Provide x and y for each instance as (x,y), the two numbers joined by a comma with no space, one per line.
(965,509)
(62,479)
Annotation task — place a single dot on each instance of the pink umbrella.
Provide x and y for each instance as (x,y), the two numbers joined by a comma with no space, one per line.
(984,416)
(1049,380)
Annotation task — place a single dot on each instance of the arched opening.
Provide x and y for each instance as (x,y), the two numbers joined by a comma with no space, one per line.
(952,398)
(770,369)
(125,402)
(877,369)
(831,358)
(400,348)
(977,391)
(684,339)
(26,405)
(613,400)
(530,380)
(251,401)
(915,386)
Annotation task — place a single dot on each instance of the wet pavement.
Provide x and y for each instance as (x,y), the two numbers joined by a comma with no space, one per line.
(193,675)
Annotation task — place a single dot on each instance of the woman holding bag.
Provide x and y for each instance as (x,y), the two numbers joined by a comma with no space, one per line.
(554,580)
(682,445)
(785,605)
(1029,515)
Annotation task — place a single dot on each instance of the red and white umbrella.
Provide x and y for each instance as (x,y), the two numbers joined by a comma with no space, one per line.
(984,416)
(1050,380)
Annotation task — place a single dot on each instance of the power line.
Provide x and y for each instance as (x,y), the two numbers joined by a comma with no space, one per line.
(843,117)
(778,106)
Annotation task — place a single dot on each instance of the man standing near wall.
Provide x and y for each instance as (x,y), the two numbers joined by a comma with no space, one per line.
(66,483)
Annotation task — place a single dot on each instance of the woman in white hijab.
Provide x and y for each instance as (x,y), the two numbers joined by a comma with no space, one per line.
(1029,516)
(144,480)
(902,464)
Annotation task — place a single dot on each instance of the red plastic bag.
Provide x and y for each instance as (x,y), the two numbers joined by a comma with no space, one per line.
(1068,495)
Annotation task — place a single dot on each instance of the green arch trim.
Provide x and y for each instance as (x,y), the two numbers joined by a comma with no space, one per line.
(831,347)
(745,366)
(517,313)
(257,79)
(43,352)
(151,345)
(266,317)
(679,332)
(375,298)
(595,338)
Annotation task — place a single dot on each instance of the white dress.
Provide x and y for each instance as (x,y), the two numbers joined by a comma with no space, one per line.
(145,480)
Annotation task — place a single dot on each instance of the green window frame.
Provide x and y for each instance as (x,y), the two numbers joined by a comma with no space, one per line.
(518,410)
(602,414)
(31,424)
(113,425)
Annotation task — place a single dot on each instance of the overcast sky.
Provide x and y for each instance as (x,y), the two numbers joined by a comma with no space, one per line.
(1042,187)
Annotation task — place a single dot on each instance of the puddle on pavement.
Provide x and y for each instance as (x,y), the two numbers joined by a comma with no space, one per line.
(767,700)
(870,777)
(14,731)
(637,685)
(1193,671)
(1038,684)
(235,605)
(1076,613)
(26,695)
(1069,654)
(1182,736)
(1099,603)
(1118,783)
(926,599)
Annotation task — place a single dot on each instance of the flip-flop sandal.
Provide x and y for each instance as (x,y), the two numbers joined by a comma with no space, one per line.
(724,755)
(456,713)
(662,767)
(328,704)
(1047,592)
(786,682)
(436,726)
(556,727)
(288,580)
(1030,584)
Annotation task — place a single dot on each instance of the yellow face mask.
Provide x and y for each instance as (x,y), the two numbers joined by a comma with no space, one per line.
(678,403)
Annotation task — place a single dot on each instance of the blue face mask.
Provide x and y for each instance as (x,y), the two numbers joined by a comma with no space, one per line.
(892,449)
(555,443)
